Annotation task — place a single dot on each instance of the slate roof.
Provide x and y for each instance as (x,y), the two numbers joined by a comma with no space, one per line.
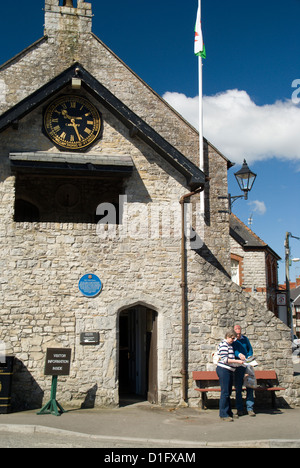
(247,238)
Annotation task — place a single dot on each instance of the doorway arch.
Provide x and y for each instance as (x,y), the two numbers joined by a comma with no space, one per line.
(137,375)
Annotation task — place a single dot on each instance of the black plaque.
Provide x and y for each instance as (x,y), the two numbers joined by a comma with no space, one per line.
(58,361)
(89,338)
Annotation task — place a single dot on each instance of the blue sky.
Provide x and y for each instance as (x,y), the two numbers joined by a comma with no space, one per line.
(252,61)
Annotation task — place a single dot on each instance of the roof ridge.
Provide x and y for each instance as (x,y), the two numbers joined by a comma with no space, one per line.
(249,230)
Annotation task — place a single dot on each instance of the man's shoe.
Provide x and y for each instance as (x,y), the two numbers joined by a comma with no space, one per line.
(227,419)
(251,413)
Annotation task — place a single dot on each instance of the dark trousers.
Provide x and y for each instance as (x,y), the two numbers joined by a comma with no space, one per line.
(239,375)
(226,382)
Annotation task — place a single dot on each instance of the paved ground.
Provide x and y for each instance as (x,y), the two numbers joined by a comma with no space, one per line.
(141,425)
(144,425)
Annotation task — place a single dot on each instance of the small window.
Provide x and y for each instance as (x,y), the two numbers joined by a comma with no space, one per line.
(68,3)
(235,271)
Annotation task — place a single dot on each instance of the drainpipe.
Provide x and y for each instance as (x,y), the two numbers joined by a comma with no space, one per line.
(183,285)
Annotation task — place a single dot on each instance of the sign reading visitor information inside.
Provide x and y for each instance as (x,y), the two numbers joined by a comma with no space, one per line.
(58,361)
(90,285)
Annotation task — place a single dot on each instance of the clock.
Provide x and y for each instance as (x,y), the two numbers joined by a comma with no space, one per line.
(72,123)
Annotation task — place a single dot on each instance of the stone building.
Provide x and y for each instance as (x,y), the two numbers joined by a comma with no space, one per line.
(93,167)
(254,265)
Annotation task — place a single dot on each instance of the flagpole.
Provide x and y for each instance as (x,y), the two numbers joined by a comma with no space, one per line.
(201,152)
(200,106)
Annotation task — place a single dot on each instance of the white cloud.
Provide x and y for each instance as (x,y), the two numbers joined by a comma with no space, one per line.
(241,129)
(186,106)
(258,206)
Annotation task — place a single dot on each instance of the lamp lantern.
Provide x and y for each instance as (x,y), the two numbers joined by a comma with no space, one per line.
(245,178)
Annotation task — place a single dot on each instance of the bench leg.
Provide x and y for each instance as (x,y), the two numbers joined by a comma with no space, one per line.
(204,400)
(273,396)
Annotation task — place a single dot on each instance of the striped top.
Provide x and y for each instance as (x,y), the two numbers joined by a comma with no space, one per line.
(226,351)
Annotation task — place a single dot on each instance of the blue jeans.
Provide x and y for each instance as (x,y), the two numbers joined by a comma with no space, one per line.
(226,382)
(238,380)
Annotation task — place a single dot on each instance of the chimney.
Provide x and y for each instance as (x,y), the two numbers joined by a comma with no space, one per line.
(67,18)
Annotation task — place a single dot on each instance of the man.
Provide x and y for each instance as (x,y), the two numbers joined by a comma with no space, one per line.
(242,350)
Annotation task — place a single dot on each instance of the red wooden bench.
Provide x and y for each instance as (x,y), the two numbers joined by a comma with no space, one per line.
(206,379)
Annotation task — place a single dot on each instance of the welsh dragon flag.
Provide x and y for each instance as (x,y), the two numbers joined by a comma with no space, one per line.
(199,44)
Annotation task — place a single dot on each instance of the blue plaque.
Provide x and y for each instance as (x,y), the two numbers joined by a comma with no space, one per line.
(90,285)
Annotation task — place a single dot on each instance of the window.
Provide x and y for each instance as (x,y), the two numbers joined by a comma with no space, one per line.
(67,3)
(235,271)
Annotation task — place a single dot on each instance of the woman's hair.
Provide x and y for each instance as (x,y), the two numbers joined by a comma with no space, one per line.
(230,334)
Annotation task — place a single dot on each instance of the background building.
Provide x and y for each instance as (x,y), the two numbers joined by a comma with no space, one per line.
(254,265)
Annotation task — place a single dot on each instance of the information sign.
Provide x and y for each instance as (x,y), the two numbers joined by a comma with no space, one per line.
(89,338)
(58,361)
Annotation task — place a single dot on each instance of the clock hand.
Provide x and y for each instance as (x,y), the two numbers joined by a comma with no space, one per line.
(65,114)
(76,129)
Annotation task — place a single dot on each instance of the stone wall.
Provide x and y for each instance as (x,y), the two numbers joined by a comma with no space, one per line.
(216,218)
(43,262)
(215,304)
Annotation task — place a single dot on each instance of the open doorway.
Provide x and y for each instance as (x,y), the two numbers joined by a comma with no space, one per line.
(138,354)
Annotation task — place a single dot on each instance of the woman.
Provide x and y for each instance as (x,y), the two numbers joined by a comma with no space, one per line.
(225,369)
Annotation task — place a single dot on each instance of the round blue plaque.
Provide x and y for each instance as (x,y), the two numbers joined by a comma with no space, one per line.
(90,285)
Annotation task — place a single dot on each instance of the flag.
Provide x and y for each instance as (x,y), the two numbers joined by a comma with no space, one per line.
(199,44)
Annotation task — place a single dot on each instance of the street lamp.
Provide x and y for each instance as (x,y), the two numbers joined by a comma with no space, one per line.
(245,178)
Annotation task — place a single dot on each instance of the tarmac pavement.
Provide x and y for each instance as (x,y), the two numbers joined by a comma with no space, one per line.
(144,425)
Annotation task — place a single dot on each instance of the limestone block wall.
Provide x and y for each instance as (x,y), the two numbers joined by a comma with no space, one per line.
(41,305)
(42,262)
(215,304)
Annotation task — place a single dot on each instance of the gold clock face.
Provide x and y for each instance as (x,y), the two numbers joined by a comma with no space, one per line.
(72,123)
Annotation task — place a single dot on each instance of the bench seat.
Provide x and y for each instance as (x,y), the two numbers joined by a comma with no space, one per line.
(264,379)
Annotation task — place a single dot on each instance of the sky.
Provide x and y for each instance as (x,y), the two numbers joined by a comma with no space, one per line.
(251,86)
